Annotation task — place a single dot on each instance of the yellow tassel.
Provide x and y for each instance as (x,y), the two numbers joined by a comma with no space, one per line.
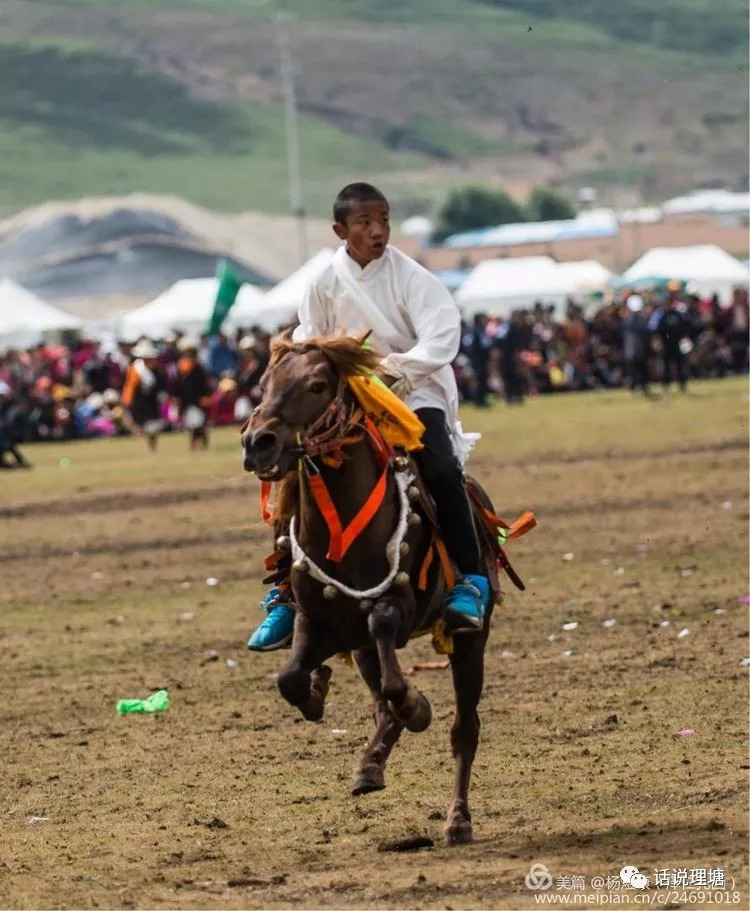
(442,640)
(397,423)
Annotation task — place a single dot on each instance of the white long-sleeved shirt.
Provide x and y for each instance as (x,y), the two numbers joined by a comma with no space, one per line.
(423,330)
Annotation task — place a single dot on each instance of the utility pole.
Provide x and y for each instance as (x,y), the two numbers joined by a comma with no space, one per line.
(292,136)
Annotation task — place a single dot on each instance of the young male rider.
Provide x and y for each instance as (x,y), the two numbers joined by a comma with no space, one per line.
(415,322)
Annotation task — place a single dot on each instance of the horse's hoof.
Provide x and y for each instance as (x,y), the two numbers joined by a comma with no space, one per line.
(368,780)
(421,718)
(313,710)
(459,833)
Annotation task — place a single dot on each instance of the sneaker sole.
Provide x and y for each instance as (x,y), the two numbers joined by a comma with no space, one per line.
(464,625)
(270,648)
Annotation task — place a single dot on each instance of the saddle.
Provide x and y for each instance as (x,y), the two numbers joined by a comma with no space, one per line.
(492,532)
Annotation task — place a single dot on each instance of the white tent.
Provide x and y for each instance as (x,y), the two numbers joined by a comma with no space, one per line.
(718,202)
(418,228)
(24,317)
(707,268)
(585,276)
(186,307)
(499,286)
(280,304)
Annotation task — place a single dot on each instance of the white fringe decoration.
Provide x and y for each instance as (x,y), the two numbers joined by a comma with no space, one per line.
(392,549)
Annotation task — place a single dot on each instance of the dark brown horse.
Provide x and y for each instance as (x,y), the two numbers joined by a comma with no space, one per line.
(369,600)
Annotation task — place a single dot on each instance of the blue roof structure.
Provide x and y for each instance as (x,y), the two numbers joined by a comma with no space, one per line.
(535,232)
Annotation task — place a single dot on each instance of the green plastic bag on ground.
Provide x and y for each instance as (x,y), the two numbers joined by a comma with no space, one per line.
(156,702)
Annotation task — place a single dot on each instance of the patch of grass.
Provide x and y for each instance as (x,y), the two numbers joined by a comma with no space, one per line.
(116,128)
(85,114)
(577,425)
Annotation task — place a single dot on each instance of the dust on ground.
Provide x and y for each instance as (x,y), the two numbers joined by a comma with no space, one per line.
(230,800)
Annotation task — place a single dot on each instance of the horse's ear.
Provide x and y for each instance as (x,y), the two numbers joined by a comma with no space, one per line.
(280,344)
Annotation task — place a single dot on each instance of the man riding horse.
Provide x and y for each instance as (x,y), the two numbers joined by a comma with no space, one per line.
(373,287)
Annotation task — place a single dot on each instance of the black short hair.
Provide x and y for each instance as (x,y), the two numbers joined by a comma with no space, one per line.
(352,194)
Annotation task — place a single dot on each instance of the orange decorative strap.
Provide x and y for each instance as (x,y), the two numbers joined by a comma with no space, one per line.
(341,539)
(517,529)
(265,496)
(426,564)
(445,562)
(522,525)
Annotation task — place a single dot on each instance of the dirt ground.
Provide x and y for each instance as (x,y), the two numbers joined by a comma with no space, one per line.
(229,800)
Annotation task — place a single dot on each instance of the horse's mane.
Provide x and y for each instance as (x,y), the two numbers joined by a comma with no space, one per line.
(347,353)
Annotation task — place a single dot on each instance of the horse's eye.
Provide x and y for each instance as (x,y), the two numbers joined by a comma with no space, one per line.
(318,387)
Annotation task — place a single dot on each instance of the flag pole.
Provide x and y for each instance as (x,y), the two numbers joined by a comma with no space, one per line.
(292,135)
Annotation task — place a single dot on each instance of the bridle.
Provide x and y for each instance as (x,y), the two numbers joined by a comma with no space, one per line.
(341,424)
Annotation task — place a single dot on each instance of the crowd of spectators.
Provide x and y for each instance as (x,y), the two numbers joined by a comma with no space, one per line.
(632,341)
(93,389)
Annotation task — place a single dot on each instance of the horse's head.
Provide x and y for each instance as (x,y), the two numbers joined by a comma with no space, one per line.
(300,385)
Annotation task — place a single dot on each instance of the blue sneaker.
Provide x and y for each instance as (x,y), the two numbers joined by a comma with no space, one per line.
(466,604)
(276,630)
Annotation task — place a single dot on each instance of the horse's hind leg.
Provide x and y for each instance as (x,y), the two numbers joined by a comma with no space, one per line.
(370,773)
(467,664)
(304,681)
(407,703)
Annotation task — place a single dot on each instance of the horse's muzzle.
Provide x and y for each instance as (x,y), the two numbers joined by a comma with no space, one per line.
(262,452)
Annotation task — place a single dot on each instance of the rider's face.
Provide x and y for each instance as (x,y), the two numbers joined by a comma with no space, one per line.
(366,230)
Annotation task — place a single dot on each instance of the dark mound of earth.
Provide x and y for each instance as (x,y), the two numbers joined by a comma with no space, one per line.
(123,252)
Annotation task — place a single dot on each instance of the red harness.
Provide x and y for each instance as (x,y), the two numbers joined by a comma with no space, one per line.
(341,539)
(328,444)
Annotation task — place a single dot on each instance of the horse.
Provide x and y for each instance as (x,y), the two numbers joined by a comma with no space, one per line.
(309,434)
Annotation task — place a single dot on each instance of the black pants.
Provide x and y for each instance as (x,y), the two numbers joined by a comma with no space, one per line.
(482,376)
(638,373)
(513,383)
(674,356)
(445,480)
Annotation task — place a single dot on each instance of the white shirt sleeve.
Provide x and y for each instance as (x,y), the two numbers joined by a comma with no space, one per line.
(437,323)
(313,314)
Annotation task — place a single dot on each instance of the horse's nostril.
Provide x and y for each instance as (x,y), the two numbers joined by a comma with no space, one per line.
(263,441)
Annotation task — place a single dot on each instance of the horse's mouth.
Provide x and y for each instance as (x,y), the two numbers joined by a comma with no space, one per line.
(269,474)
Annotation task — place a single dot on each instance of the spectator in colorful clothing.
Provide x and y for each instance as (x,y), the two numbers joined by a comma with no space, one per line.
(144,391)
(193,393)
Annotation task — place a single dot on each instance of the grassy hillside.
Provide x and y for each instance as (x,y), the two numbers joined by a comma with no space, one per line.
(183,96)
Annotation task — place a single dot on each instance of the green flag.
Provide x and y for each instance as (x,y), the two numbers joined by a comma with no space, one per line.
(226,295)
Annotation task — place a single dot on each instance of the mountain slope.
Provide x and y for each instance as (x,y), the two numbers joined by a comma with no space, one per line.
(183,96)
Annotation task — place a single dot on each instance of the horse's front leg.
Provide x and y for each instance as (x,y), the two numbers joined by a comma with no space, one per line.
(370,773)
(407,703)
(304,681)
